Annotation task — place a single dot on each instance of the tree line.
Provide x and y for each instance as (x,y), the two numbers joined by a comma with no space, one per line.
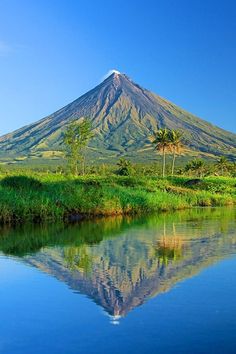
(78,135)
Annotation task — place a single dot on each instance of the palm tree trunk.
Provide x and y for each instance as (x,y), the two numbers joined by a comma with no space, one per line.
(83,165)
(163,162)
(173,164)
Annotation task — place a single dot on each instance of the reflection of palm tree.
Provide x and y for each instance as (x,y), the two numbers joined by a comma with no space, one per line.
(169,248)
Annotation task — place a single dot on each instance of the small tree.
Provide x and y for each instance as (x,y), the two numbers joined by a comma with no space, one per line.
(197,166)
(76,139)
(162,143)
(175,137)
(124,167)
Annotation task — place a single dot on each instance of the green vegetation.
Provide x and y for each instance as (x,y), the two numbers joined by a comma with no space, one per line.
(76,139)
(176,146)
(167,140)
(40,197)
(127,189)
(196,166)
(162,143)
(124,167)
(223,164)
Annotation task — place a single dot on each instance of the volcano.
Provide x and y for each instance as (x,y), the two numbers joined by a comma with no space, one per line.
(124,117)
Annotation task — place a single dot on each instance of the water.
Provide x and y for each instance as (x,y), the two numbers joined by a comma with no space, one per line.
(157,284)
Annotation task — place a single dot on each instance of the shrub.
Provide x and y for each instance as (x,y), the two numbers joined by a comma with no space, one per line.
(21,182)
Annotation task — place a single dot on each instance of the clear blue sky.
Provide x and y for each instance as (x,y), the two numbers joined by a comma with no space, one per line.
(52,51)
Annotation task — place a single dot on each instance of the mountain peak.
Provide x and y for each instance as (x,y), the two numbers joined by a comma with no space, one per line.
(116,79)
(116,72)
(124,116)
(112,73)
(119,80)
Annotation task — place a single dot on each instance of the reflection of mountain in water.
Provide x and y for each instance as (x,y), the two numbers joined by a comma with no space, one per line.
(120,263)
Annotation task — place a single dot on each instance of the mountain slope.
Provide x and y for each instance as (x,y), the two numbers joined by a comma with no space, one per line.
(124,116)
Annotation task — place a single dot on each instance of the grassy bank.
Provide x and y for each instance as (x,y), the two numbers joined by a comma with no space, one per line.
(45,197)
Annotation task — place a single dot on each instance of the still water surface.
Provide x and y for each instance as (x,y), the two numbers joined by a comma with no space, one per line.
(155,284)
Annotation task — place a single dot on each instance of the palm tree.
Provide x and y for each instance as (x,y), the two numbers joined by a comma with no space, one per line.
(222,163)
(176,146)
(162,143)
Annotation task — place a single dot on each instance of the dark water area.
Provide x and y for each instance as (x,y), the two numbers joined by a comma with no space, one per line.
(154,284)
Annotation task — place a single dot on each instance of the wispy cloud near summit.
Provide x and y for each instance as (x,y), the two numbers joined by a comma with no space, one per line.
(112,71)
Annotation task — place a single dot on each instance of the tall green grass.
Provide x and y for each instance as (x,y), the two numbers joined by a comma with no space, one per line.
(48,197)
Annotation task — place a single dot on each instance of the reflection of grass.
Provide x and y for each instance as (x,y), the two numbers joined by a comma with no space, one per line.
(169,249)
(29,238)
